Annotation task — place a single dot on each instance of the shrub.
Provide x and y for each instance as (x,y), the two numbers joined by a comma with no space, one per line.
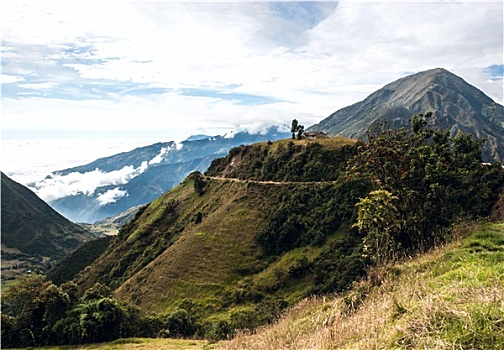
(435,178)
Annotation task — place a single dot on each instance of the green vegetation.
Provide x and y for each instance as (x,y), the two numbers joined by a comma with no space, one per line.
(269,225)
(378,218)
(198,182)
(434,179)
(449,298)
(306,214)
(287,160)
(76,261)
(5,284)
(34,236)
(36,312)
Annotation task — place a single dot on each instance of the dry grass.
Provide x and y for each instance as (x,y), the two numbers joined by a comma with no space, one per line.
(329,142)
(451,298)
(203,262)
(139,344)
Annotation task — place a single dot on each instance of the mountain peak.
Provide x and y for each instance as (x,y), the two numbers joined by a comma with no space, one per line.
(456,105)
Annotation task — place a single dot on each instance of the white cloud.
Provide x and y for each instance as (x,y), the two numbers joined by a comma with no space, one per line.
(249,47)
(158,158)
(138,66)
(229,135)
(111,196)
(57,186)
(39,86)
(8,79)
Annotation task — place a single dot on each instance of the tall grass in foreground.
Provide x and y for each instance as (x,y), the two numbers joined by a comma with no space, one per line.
(450,298)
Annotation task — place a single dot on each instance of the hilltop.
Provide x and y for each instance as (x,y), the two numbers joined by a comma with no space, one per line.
(202,245)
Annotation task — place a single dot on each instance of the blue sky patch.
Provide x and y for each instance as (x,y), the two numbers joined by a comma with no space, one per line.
(306,14)
(48,72)
(243,99)
(496,71)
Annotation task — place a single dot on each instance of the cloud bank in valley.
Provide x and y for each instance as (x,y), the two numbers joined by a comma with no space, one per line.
(58,185)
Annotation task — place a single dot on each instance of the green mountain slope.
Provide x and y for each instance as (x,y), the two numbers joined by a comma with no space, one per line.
(77,260)
(204,245)
(32,229)
(270,224)
(450,298)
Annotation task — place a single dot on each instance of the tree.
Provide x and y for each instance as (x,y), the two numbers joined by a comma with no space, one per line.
(36,312)
(198,182)
(297,130)
(377,218)
(433,176)
(300,132)
(184,321)
(33,306)
(93,321)
(294,128)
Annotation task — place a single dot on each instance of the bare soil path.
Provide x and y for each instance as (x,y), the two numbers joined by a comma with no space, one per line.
(231,179)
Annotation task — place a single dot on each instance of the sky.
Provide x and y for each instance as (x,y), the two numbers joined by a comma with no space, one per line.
(124,74)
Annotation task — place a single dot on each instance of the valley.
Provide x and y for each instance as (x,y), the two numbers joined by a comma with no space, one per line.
(34,236)
(272,238)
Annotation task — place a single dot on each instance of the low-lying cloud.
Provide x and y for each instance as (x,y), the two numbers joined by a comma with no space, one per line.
(111,196)
(57,186)
(176,146)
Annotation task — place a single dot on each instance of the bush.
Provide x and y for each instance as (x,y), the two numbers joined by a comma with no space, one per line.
(307,215)
(37,313)
(435,178)
(221,330)
(185,321)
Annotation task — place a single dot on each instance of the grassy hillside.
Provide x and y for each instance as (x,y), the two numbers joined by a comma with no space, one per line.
(210,246)
(269,224)
(275,222)
(450,298)
(76,261)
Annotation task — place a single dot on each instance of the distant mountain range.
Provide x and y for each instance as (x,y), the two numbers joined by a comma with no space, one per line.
(139,176)
(133,178)
(456,106)
(34,234)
